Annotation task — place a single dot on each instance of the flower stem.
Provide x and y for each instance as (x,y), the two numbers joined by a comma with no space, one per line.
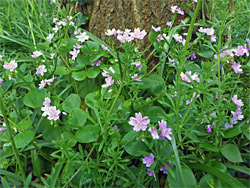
(19,162)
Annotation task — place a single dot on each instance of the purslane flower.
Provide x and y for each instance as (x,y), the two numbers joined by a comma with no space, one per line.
(106,73)
(151,173)
(137,34)
(165,132)
(74,53)
(10,66)
(139,122)
(96,63)
(1,57)
(36,54)
(41,70)
(135,76)
(153,132)
(236,68)
(169,24)
(158,29)
(53,113)
(109,82)
(42,84)
(137,64)
(110,32)
(239,102)
(164,169)
(50,37)
(148,160)
(105,48)
(82,37)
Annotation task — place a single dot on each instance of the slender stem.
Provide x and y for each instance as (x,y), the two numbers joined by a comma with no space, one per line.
(4,109)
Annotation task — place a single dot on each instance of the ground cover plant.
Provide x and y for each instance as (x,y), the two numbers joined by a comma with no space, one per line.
(78,112)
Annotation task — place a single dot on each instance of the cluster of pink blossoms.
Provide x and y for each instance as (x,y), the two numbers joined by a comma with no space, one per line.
(239,51)
(149,160)
(44,82)
(176,9)
(109,80)
(50,111)
(185,78)
(127,35)
(179,38)
(236,115)
(209,32)
(140,123)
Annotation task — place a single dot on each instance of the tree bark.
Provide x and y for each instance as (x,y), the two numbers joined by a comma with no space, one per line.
(121,14)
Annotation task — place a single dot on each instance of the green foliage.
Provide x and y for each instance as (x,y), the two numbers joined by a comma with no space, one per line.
(100,111)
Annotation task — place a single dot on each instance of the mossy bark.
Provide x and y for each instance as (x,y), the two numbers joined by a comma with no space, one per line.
(121,14)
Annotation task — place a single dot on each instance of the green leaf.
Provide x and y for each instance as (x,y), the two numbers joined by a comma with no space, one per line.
(246,132)
(146,83)
(71,102)
(93,72)
(92,100)
(24,138)
(152,36)
(79,116)
(231,152)
(69,138)
(232,132)
(35,98)
(155,114)
(209,147)
(205,53)
(28,181)
(136,148)
(87,134)
(48,131)
(158,84)
(62,70)
(25,124)
(4,183)
(188,175)
(72,43)
(79,75)
(242,169)
(224,177)
(204,181)
(81,19)
(93,46)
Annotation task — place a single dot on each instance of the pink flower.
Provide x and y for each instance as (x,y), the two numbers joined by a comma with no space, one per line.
(148,160)
(105,48)
(236,68)
(50,37)
(78,46)
(239,102)
(47,102)
(115,127)
(151,173)
(228,126)
(50,80)
(111,32)
(177,37)
(237,115)
(1,81)
(74,53)
(36,54)
(173,9)
(239,51)
(77,31)
(53,113)
(169,24)
(139,122)
(2,129)
(109,82)
(52,55)
(63,23)
(159,37)
(135,76)
(41,70)
(209,129)
(56,28)
(195,77)
(96,63)
(213,38)
(210,31)
(137,64)
(165,132)
(42,84)
(201,30)
(153,132)
(1,57)
(184,77)
(11,66)
(164,169)
(137,34)
(82,37)
(158,29)
(55,19)
(181,12)
(106,73)
(196,1)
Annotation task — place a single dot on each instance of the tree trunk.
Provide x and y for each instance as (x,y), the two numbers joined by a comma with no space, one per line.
(121,14)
